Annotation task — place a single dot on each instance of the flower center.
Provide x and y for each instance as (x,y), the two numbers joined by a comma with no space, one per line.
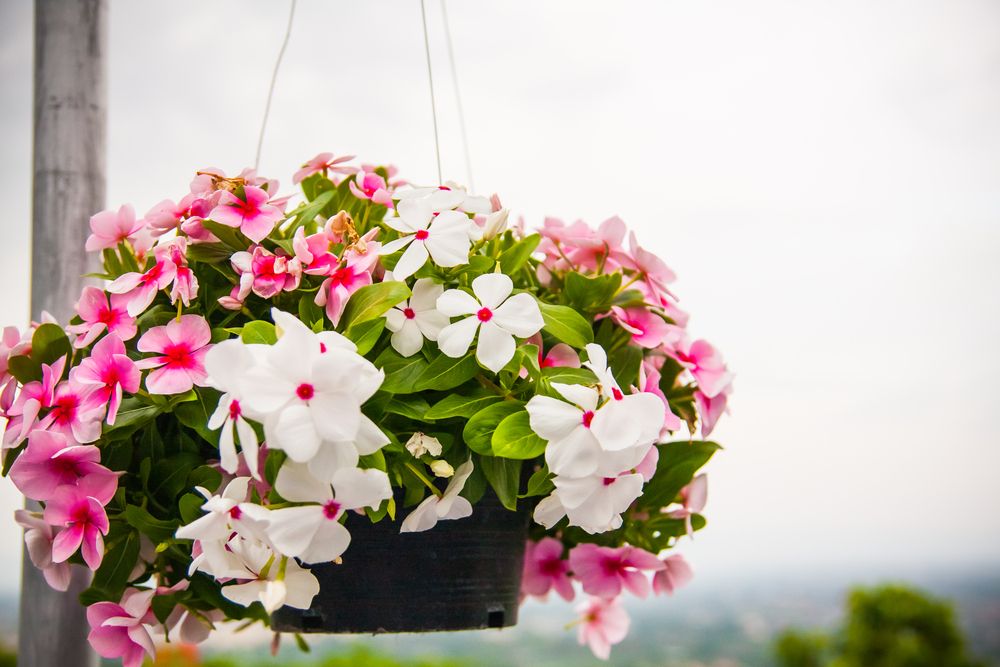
(235,513)
(234,409)
(322,347)
(421,234)
(331,510)
(178,356)
(305,391)
(617,393)
(588,417)
(551,566)
(108,317)
(341,276)
(64,410)
(408,312)
(246,208)
(608,481)
(485,315)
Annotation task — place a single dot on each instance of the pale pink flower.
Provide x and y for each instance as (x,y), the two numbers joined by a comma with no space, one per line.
(710,409)
(601,248)
(675,573)
(72,413)
(323,163)
(649,378)
(655,274)
(11,345)
(265,273)
(647,328)
(182,345)
(545,569)
(353,274)
(604,571)
(313,252)
(693,498)
(185,284)
(38,537)
(84,525)
(101,312)
(254,215)
(50,462)
(369,185)
(111,372)
(120,630)
(603,623)
(705,364)
(140,288)
(391,171)
(647,466)
(35,395)
(112,227)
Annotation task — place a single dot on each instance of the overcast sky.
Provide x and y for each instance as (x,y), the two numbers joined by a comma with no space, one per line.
(823,176)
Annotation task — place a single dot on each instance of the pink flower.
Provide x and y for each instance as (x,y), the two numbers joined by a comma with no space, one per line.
(313,252)
(112,227)
(253,214)
(601,248)
(603,571)
(264,273)
(649,378)
(647,466)
(710,409)
(323,162)
(72,413)
(182,345)
(185,284)
(38,537)
(391,171)
(693,499)
(603,623)
(51,462)
(140,288)
(705,364)
(11,345)
(655,274)
(675,573)
(352,275)
(101,312)
(369,185)
(84,525)
(110,370)
(545,570)
(119,630)
(647,328)
(33,396)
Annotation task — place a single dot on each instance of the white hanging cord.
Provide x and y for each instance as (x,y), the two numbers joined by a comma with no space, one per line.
(430,80)
(274,78)
(458,97)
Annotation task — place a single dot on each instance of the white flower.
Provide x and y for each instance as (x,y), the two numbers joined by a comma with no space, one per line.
(593,503)
(450,505)
(313,533)
(445,237)
(225,514)
(450,196)
(309,389)
(416,319)
(442,468)
(496,223)
(226,363)
(421,443)
(274,580)
(497,318)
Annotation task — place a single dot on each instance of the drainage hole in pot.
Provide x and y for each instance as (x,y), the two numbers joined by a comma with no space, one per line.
(494,618)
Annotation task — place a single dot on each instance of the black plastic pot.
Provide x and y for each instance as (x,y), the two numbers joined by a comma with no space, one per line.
(460,575)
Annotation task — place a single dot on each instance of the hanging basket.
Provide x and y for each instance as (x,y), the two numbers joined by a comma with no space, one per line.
(462,575)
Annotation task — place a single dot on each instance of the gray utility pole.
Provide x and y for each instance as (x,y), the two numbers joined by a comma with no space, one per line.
(70,125)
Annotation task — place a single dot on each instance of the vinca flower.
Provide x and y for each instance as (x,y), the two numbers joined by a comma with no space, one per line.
(51,462)
(675,573)
(321,164)
(83,524)
(101,313)
(38,538)
(121,630)
(225,364)
(443,237)
(181,345)
(693,499)
(448,505)
(140,288)
(605,571)
(602,624)
(109,228)
(546,570)
(416,318)
(496,315)
(594,503)
(254,214)
(111,372)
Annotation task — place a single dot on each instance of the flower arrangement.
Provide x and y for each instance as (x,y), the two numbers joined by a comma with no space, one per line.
(250,374)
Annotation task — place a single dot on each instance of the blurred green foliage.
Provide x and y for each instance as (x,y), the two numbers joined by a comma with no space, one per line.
(358,656)
(886,626)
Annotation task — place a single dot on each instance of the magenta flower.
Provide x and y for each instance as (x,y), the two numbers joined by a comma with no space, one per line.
(11,345)
(675,573)
(647,328)
(711,409)
(119,630)
(545,570)
(602,624)
(50,462)
(101,312)
(313,252)
(84,525)
(72,414)
(604,571)
(264,273)
(112,227)
(38,537)
(705,364)
(693,499)
(253,214)
(111,372)
(352,275)
(140,288)
(35,395)
(323,163)
(182,345)
(369,185)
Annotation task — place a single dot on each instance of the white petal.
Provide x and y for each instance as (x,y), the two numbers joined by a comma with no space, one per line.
(331,457)
(455,339)
(264,392)
(370,437)
(430,323)
(336,417)
(425,294)
(549,511)
(423,517)
(613,464)
(395,319)
(244,594)
(302,586)
(551,418)
(293,431)
(632,421)
(586,397)
(459,508)
(576,455)
(624,491)
(356,488)
(415,214)
(227,449)
(449,247)
(407,340)
(395,244)
(520,315)
(574,492)
(331,540)
(455,302)
(414,257)
(492,288)
(495,348)
(295,482)
(292,529)
(249,445)
(225,363)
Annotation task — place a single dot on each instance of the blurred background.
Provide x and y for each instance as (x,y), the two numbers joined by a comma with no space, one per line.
(823,177)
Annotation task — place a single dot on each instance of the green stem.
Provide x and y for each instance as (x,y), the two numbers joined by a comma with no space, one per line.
(423,478)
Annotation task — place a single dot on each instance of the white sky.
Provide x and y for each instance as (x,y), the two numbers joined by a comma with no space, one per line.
(824,177)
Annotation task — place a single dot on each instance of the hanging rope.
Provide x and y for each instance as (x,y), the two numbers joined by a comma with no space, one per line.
(458,97)
(270,90)
(430,81)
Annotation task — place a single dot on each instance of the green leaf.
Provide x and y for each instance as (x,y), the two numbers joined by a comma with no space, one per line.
(132,414)
(677,466)
(478,431)
(207,477)
(591,294)
(540,484)
(568,375)
(155,529)
(457,405)
(168,477)
(112,576)
(25,369)
(373,301)
(514,257)
(401,373)
(446,372)
(413,407)
(308,212)
(230,236)
(259,332)
(190,507)
(625,363)
(49,343)
(566,325)
(195,414)
(504,475)
(210,253)
(514,439)
(366,334)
